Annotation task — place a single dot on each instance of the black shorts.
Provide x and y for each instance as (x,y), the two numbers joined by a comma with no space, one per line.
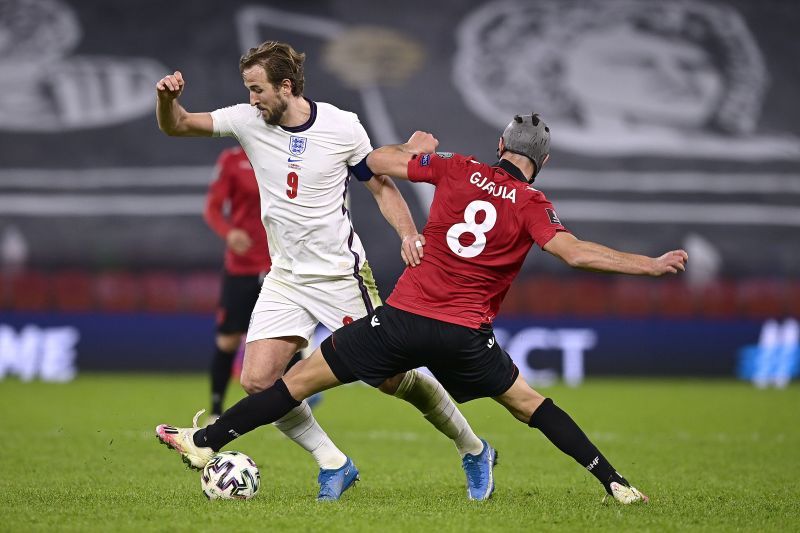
(467,362)
(239,296)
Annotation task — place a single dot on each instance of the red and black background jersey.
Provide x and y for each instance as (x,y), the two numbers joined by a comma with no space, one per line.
(235,183)
(482,223)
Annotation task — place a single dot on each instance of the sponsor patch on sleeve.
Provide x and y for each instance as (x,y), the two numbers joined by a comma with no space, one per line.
(553,216)
(445,155)
(425,160)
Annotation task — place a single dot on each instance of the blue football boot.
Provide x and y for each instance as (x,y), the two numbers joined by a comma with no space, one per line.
(333,482)
(480,480)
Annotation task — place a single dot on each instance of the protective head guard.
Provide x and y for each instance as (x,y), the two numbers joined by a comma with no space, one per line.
(528,135)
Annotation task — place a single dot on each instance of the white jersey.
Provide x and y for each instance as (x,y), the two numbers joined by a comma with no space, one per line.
(303,175)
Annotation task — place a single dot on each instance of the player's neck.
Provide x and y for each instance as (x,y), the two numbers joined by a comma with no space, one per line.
(524,164)
(297,112)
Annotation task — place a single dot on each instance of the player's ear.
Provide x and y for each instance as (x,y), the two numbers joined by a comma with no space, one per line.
(501,146)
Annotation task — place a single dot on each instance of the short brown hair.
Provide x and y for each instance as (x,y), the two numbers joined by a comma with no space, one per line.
(280,61)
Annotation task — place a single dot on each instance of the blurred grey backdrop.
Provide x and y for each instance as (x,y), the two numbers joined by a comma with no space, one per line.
(674,123)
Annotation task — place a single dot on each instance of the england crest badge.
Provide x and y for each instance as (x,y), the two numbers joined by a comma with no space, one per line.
(297,145)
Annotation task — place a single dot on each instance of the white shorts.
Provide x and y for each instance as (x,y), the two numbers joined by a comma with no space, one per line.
(292,306)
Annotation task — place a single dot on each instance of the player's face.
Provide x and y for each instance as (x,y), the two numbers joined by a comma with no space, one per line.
(263,95)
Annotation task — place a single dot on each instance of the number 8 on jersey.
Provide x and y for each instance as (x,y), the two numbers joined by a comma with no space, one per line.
(470,226)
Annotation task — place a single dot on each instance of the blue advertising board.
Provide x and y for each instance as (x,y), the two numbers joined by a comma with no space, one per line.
(57,346)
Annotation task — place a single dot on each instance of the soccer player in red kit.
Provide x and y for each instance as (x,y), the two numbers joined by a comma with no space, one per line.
(483,221)
(233,211)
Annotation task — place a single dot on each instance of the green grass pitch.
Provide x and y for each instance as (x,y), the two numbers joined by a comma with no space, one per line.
(712,455)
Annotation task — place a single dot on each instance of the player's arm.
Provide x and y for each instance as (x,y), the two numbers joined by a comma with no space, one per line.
(395,210)
(588,255)
(393,159)
(214,214)
(173,119)
(218,193)
(236,239)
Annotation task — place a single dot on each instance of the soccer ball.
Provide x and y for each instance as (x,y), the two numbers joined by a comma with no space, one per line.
(230,476)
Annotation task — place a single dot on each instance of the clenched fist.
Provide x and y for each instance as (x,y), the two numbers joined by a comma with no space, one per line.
(421,142)
(670,263)
(170,87)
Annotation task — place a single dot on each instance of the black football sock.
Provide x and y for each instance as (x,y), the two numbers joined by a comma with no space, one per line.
(221,367)
(562,431)
(256,410)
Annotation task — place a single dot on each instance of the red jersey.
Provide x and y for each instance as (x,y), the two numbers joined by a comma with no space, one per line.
(482,223)
(235,183)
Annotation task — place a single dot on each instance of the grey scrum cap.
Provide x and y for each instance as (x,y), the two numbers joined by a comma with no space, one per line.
(528,135)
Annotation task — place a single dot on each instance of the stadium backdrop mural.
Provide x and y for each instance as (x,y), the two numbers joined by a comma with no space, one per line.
(674,123)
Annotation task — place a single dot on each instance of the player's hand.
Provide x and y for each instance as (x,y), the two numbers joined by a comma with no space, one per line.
(170,87)
(411,249)
(238,241)
(421,142)
(670,263)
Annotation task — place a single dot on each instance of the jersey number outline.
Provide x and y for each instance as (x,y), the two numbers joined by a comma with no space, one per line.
(470,226)
(293,182)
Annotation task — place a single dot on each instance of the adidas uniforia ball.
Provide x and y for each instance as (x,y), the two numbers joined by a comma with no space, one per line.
(230,476)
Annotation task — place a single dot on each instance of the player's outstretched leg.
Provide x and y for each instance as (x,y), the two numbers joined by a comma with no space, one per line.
(259,409)
(312,401)
(182,441)
(541,413)
(430,398)
(568,437)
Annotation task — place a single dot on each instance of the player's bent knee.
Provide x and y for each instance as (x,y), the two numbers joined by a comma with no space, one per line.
(255,384)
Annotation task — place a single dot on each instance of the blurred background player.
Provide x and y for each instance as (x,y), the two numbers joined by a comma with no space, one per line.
(303,153)
(233,211)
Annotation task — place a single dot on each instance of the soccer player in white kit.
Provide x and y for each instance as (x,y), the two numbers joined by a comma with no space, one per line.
(303,153)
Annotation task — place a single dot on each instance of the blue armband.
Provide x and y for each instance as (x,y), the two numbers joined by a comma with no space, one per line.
(361,171)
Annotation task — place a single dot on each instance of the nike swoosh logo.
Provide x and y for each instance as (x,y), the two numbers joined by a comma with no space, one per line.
(292,160)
